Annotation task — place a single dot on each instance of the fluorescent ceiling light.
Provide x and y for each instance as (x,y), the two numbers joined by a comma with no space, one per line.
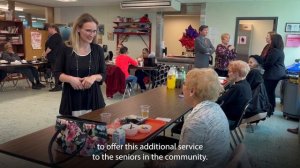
(144,4)
(166,5)
(5,7)
(67,0)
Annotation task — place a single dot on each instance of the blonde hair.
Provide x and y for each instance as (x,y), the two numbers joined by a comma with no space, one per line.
(205,83)
(240,67)
(81,20)
(223,35)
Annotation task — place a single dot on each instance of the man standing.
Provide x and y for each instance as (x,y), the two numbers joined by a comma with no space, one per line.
(52,48)
(203,48)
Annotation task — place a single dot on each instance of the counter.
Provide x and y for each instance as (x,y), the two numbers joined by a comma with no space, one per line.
(187,62)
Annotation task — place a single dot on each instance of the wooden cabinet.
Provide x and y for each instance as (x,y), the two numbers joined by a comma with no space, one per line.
(12,31)
(125,29)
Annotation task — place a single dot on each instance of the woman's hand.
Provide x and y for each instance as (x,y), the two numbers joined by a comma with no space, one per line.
(231,47)
(76,83)
(87,82)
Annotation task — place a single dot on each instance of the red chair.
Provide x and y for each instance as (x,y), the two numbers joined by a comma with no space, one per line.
(115,80)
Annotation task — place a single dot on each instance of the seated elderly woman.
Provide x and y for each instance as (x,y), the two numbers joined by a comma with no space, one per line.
(30,72)
(234,99)
(260,102)
(206,125)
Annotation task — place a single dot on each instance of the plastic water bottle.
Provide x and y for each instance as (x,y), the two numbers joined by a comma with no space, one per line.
(171,78)
(179,79)
(183,73)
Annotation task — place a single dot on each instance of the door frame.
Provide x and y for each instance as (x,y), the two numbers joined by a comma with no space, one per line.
(238,19)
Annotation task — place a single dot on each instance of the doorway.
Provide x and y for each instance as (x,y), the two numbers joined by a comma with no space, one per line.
(250,33)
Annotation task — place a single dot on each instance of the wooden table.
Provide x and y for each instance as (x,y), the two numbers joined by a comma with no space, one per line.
(10,66)
(163,102)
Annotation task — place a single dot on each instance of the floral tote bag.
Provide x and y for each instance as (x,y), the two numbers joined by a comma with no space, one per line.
(75,136)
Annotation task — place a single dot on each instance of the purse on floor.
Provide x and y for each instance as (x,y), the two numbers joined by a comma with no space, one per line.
(76,136)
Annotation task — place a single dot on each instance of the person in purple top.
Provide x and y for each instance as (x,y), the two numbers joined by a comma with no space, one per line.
(224,54)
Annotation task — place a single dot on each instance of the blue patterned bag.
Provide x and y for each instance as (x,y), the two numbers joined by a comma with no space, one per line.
(75,136)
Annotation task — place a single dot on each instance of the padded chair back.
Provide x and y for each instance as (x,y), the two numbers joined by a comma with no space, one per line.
(115,80)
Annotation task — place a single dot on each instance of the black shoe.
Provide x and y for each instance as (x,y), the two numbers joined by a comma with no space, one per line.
(35,86)
(56,89)
(294,131)
(40,85)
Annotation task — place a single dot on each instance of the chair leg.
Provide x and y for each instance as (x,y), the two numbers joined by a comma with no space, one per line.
(241,132)
(15,82)
(125,92)
(232,137)
(27,80)
(237,136)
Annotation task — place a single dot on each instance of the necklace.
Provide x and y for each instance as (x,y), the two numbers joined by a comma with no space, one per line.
(77,66)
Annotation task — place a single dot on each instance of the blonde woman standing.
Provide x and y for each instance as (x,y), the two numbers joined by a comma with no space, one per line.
(224,54)
(81,67)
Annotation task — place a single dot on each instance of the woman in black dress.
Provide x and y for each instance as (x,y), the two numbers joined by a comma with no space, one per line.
(82,68)
(274,67)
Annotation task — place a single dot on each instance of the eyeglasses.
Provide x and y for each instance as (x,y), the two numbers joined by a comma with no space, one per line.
(89,31)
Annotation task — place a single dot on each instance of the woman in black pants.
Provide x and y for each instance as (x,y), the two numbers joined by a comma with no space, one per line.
(274,67)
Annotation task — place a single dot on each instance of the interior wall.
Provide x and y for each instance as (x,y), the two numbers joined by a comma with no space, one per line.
(174,27)
(106,15)
(259,32)
(224,20)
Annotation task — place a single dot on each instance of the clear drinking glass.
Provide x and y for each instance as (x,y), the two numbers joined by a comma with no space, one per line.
(145,111)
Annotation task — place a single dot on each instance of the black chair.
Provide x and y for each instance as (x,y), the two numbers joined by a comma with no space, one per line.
(236,125)
(178,126)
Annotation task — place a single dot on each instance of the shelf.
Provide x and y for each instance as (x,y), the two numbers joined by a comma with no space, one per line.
(125,29)
(131,28)
(12,43)
(11,34)
(12,31)
(131,33)
(11,21)
(134,22)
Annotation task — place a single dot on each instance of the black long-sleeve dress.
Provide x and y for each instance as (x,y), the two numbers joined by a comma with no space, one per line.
(92,98)
(234,99)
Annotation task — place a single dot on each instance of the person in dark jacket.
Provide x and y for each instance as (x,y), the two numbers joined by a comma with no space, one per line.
(234,99)
(52,48)
(259,102)
(203,48)
(274,67)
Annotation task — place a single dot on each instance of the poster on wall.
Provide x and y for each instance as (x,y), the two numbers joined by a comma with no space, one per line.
(292,40)
(101,29)
(36,40)
(110,36)
(242,39)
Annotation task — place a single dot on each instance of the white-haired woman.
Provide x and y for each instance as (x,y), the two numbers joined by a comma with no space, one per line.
(239,94)
(206,125)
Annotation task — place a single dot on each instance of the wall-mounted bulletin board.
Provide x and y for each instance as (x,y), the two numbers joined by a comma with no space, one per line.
(34,42)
